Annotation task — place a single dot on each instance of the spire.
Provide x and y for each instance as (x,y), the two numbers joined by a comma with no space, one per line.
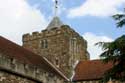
(55,21)
(56,7)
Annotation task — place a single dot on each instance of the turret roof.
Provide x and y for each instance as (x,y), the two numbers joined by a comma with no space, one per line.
(56,22)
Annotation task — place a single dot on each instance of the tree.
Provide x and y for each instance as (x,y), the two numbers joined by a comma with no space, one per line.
(114,52)
(120,18)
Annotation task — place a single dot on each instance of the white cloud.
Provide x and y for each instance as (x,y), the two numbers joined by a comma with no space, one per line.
(97,8)
(18,17)
(91,38)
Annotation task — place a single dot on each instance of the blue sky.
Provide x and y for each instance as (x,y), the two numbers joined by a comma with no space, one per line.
(90,18)
(99,25)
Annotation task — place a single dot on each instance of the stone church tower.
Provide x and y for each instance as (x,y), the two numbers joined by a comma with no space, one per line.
(60,44)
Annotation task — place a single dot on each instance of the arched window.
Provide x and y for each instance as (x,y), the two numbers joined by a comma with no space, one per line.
(73,44)
(44,43)
(73,49)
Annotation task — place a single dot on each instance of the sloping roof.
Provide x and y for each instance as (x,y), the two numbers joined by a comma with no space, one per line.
(23,55)
(54,23)
(90,70)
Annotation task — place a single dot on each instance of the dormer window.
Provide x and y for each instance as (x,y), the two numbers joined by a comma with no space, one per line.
(44,43)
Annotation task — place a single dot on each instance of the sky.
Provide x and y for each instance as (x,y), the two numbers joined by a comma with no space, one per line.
(90,18)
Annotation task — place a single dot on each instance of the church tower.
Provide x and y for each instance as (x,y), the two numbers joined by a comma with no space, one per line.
(58,43)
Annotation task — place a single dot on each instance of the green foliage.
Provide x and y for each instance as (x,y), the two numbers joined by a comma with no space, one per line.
(114,52)
(120,18)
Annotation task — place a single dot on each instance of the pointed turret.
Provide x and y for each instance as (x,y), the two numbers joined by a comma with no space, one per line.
(56,22)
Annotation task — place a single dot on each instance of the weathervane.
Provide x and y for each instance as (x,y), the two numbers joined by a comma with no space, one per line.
(56,7)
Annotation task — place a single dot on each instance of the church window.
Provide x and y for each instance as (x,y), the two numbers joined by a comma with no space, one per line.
(44,43)
(57,62)
(73,46)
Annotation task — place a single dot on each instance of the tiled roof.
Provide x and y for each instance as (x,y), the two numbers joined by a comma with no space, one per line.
(90,70)
(23,55)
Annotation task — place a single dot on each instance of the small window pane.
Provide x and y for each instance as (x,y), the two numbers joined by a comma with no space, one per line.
(44,44)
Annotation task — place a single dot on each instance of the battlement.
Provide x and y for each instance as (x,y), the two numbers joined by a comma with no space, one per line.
(59,45)
(23,69)
(48,33)
(26,70)
(43,33)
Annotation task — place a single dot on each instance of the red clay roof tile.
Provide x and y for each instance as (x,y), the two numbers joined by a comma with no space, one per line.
(90,70)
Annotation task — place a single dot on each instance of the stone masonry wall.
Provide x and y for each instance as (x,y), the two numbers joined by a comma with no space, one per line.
(96,81)
(10,78)
(64,47)
(25,70)
(87,82)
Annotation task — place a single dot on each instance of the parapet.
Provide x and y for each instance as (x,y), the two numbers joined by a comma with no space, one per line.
(26,70)
(43,33)
(51,32)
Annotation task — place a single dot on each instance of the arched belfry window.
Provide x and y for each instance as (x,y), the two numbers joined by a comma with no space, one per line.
(73,50)
(73,44)
(44,43)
